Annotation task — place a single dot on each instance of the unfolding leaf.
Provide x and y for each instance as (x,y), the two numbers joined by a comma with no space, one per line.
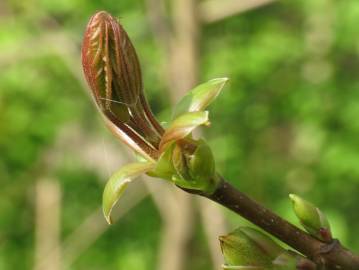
(117,184)
(164,167)
(198,170)
(263,241)
(183,126)
(200,97)
(201,165)
(248,247)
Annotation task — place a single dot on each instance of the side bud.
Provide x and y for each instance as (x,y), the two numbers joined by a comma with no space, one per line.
(312,219)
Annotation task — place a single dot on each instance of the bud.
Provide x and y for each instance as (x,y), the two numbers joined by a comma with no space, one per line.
(113,72)
(312,219)
(111,66)
(195,168)
(201,167)
(189,168)
(247,246)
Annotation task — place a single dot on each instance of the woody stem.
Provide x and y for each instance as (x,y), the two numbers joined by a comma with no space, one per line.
(335,257)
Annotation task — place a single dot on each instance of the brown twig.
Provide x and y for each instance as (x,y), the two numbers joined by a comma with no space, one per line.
(328,256)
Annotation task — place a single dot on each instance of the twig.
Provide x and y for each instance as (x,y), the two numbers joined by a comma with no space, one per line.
(327,256)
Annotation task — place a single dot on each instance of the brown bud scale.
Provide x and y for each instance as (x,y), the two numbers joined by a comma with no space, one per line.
(113,72)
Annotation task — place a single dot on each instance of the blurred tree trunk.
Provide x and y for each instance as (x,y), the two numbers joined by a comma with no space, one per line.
(48,211)
(181,47)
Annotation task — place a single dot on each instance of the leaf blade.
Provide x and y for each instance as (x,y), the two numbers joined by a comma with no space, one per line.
(118,183)
(199,97)
(183,126)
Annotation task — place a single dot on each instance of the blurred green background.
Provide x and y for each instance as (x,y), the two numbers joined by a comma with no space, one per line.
(287,122)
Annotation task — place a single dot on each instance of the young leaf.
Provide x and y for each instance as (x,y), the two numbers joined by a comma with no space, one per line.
(202,165)
(248,247)
(200,97)
(117,184)
(164,167)
(263,241)
(201,168)
(183,126)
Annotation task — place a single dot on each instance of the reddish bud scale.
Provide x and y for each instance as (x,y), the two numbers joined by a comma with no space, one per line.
(326,235)
(112,70)
(110,62)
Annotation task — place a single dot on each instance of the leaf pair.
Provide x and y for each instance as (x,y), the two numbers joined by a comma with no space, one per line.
(189,112)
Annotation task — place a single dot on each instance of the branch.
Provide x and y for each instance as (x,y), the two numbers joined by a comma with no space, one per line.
(327,256)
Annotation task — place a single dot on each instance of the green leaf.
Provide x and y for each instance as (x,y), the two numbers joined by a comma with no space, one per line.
(202,165)
(164,166)
(183,126)
(312,219)
(200,97)
(246,246)
(263,241)
(117,184)
(201,168)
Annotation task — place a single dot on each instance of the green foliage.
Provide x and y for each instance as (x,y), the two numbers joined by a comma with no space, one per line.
(247,247)
(286,123)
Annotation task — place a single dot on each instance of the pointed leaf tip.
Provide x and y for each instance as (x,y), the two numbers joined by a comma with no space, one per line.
(118,183)
(200,97)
